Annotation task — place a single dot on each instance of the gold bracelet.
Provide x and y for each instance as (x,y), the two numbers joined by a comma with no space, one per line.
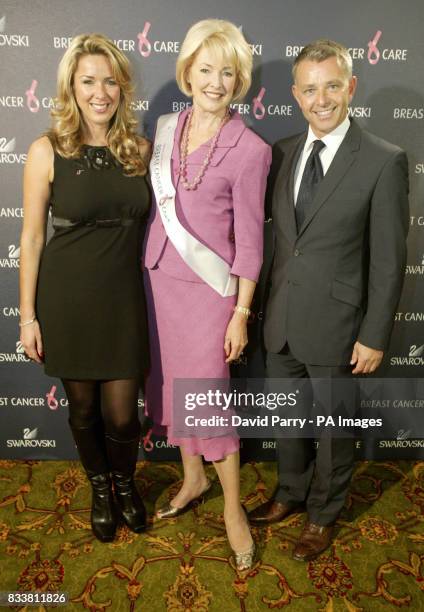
(243,310)
(28,322)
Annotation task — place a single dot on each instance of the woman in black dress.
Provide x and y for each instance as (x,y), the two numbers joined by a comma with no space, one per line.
(81,297)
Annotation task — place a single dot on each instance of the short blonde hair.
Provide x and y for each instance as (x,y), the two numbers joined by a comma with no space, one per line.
(224,39)
(322,49)
(66,133)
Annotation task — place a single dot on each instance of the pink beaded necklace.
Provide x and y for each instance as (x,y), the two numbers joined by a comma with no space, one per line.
(189,186)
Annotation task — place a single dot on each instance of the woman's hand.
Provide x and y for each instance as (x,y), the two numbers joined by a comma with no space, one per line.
(32,341)
(235,337)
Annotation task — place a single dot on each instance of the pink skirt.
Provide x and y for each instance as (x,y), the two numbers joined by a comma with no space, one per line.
(187,325)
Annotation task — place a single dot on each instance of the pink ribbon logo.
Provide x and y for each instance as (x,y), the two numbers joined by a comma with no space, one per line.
(52,402)
(33,103)
(373,51)
(144,45)
(147,443)
(164,199)
(258,108)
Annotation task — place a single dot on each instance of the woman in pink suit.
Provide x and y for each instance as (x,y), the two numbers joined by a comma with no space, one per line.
(197,321)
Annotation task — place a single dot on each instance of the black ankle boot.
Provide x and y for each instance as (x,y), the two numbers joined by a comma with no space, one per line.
(103,511)
(122,456)
(92,451)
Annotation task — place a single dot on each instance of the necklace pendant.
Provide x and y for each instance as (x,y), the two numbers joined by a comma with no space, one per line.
(192,185)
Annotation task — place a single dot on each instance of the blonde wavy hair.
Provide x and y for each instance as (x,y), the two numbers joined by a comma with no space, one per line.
(66,133)
(225,40)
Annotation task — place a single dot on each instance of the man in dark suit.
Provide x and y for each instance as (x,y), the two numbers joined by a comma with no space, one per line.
(339,198)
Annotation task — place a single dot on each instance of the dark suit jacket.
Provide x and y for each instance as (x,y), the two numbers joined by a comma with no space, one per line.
(339,279)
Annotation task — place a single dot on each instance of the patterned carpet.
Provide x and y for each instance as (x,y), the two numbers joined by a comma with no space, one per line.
(182,565)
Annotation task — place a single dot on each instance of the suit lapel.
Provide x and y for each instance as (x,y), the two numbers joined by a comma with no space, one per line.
(344,158)
(284,185)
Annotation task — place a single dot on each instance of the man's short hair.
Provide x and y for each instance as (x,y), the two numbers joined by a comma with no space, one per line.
(322,49)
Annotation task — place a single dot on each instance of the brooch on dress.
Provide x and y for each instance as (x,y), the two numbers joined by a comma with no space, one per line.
(96,158)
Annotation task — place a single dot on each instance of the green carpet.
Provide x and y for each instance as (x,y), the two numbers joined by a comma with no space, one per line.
(182,565)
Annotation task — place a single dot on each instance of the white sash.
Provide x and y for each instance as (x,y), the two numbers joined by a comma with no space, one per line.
(211,268)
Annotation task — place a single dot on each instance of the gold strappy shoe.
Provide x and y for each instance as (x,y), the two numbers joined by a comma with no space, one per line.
(169,511)
(245,560)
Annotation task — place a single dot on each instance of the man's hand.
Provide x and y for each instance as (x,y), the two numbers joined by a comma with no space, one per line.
(366,360)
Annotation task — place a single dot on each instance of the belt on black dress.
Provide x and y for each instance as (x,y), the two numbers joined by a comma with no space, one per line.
(59,223)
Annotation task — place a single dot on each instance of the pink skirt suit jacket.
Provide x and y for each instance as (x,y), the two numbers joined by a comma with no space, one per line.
(187,318)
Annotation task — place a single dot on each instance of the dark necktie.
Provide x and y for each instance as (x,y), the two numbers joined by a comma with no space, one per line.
(312,175)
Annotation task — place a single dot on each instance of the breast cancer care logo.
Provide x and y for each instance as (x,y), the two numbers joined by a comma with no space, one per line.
(33,103)
(144,44)
(387,54)
(52,402)
(373,55)
(145,47)
(259,110)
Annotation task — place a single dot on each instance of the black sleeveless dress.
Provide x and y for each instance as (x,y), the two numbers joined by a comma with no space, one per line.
(90,300)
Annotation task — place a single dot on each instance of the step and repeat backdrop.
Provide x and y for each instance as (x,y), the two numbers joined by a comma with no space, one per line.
(385,41)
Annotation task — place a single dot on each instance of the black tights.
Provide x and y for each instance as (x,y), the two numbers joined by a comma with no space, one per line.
(115,402)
